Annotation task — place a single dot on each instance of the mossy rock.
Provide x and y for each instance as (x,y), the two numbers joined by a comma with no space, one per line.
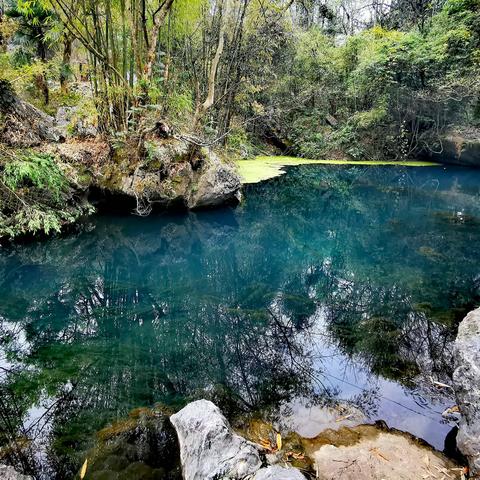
(142,446)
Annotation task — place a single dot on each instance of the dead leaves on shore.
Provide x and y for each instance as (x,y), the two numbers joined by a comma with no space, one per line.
(271,446)
(275,446)
(436,472)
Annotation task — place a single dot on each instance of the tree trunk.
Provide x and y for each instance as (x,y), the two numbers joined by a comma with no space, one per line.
(42,86)
(67,55)
(158,19)
(216,59)
(212,74)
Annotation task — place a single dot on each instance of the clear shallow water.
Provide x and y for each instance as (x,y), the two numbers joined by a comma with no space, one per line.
(327,283)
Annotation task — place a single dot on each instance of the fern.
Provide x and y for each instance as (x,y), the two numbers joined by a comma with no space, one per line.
(35,197)
(35,170)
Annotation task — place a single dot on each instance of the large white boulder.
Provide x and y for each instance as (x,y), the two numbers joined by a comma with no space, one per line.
(276,472)
(466,382)
(209,448)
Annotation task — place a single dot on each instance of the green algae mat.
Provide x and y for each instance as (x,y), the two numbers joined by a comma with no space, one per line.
(263,167)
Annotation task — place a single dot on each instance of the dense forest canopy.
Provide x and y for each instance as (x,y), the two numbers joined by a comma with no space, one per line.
(363,79)
(341,79)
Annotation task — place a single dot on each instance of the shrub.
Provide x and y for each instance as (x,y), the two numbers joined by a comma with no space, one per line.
(35,196)
(35,170)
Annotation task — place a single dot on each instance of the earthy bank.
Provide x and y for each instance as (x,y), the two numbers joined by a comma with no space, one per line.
(53,171)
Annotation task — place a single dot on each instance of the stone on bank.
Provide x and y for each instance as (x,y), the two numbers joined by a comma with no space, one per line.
(9,473)
(466,383)
(210,449)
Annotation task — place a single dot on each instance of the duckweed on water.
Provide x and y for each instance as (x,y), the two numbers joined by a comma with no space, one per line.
(264,167)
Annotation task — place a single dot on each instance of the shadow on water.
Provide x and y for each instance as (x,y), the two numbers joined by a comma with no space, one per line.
(342,283)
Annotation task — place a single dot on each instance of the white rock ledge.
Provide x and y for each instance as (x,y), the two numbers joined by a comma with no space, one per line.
(466,383)
(211,450)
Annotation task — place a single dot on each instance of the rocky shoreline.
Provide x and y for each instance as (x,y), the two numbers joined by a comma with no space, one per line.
(198,442)
(150,167)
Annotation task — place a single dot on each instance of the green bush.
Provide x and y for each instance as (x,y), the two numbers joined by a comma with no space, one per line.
(35,170)
(35,196)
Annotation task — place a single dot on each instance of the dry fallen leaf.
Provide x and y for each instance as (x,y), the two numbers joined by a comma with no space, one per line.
(279,441)
(295,455)
(443,470)
(345,417)
(83,470)
(379,454)
(451,410)
(440,384)
(267,444)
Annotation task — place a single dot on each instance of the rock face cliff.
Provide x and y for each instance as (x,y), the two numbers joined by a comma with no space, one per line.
(148,167)
(174,172)
(466,382)
(459,147)
(157,172)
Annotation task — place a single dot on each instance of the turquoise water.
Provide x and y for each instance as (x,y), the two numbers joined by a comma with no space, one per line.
(329,283)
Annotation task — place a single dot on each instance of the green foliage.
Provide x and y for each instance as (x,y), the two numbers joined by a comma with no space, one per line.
(35,170)
(382,93)
(35,20)
(240,144)
(179,104)
(369,118)
(35,196)
(185,16)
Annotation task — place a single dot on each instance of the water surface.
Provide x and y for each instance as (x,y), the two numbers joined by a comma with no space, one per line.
(329,283)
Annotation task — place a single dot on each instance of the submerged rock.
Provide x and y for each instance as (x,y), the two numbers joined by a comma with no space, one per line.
(309,420)
(209,449)
(466,383)
(9,473)
(142,446)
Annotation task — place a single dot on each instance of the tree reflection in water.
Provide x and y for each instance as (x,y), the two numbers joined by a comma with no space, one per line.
(240,305)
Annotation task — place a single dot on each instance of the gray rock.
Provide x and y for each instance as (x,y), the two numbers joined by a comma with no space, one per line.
(466,382)
(174,175)
(9,473)
(276,472)
(63,117)
(459,147)
(218,183)
(209,449)
(69,122)
(23,124)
